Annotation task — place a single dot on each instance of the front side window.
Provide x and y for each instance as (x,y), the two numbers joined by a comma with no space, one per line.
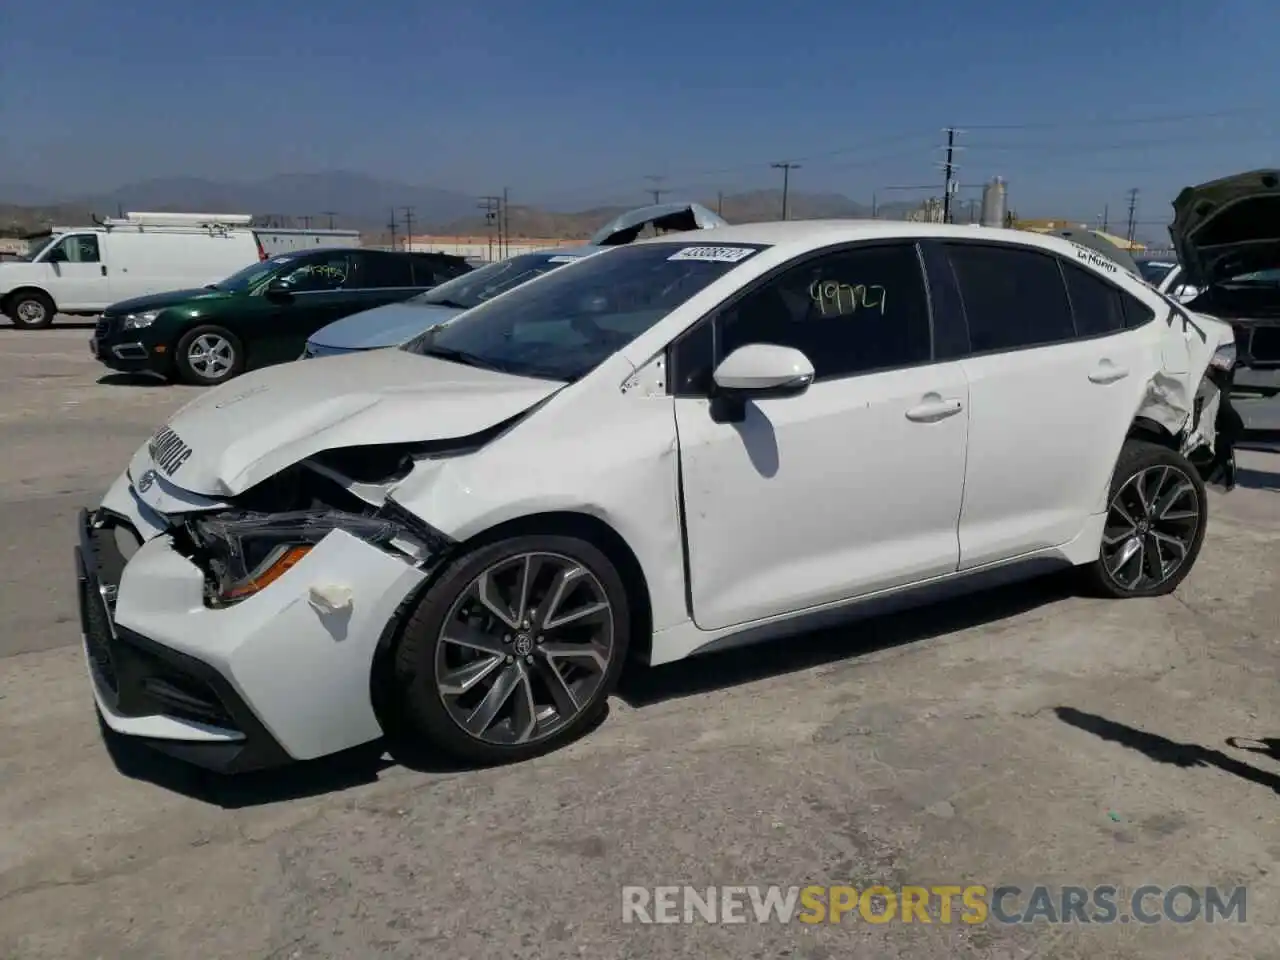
(75,248)
(316,274)
(567,322)
(850,312)
(1013,297)
(476,286)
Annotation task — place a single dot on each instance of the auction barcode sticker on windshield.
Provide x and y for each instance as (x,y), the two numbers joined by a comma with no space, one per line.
(562,259)
(713,254)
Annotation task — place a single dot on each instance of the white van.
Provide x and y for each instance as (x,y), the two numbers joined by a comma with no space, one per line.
(83,270)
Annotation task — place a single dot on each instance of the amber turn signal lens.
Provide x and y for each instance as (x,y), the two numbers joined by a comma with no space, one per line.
(281,565)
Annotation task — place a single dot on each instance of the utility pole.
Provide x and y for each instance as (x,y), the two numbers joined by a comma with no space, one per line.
(786,167)
(655,189)
(720,203)
(330,214)
(391,225)
(408,227)
(505,226)
(949,169)
(306,223)
(1106,211)
(1133,208)
(490,206)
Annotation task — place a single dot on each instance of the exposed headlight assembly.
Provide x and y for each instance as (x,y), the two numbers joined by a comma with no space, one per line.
(1224,358)
(247,552)
(136,321)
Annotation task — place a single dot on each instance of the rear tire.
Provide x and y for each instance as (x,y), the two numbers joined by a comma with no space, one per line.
(31,310)
(208,355)
(485,682)
(1157,513)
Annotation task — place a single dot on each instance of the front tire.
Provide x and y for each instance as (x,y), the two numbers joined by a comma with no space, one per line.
(1157,513)
(514,650)
(208,355)
(31,310)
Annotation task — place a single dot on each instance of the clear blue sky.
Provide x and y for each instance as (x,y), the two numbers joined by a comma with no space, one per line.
(574,103)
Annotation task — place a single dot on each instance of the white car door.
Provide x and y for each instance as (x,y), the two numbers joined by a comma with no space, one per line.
(1049,404)
(853,486)
(79,277)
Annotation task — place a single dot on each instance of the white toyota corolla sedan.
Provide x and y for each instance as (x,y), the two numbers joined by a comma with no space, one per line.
(662,450)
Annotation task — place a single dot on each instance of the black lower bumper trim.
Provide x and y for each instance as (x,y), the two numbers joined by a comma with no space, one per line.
(137,677)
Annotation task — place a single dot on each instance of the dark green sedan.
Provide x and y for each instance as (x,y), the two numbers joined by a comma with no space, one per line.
(261,315)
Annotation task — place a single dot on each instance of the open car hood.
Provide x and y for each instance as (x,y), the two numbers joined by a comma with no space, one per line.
(1228,227)
(236,435)
(626,227)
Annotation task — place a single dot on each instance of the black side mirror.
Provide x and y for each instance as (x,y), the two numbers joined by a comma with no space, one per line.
(277,289)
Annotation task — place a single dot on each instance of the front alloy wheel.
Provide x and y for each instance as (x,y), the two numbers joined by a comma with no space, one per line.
(524,648)
(515,648)
(211,356)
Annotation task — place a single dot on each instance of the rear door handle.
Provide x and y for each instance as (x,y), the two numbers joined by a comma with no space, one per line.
(934,409)
(1107,372)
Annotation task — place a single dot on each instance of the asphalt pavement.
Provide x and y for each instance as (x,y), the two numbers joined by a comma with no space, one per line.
(1025,736)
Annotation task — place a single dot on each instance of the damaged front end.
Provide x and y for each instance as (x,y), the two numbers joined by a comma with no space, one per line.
(262,534)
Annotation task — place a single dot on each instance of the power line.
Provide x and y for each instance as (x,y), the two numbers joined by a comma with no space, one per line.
(786,166)
(1121,121)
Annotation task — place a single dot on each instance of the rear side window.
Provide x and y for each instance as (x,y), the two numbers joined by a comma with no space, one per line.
(1098,307)
(385,270)
(1136,313)
(1013,298)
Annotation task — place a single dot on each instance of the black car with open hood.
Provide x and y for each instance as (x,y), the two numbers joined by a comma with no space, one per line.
(1227,234)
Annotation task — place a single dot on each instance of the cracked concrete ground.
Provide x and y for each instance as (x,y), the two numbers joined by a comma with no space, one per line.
(1020,737)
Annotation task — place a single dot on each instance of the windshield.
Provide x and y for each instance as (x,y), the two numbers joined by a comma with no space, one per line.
(242,281)
(474,288)
(1259,278)
(563,326)
(1153,271)
(39,248)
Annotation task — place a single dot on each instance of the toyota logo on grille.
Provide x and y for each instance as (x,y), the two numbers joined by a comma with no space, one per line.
(147,482)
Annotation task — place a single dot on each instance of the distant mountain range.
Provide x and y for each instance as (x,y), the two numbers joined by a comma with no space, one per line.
(357,201)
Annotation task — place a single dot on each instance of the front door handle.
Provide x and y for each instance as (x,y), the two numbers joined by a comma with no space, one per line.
(934,409)
(104,269)
(1107,372)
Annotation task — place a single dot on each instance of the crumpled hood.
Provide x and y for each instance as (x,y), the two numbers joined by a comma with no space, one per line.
(236,435)
(387,326)
(162,301)
(1227,227)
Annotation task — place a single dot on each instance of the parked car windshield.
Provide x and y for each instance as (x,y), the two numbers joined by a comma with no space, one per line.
(565,324)
(474,288)
(242,281)
(1153,271)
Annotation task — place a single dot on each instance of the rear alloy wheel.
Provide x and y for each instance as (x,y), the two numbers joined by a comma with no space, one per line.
(515,649)
(1155,524)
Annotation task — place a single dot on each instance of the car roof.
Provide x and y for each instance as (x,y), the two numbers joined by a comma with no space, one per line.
(798,236)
